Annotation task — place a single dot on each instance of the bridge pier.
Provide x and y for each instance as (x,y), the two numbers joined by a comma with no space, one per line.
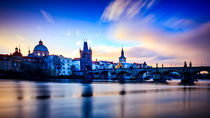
(88,77)
(188,77)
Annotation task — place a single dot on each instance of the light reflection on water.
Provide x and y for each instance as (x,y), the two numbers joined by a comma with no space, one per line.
(50,99)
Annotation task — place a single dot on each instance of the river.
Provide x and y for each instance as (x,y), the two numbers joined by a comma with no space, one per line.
(31,99)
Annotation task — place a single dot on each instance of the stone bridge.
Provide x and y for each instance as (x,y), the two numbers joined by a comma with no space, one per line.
(138,72)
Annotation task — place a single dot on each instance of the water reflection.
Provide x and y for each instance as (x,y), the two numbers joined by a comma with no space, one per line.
(186,98)
(42,107)
(42,91)
(20,94)
(19,90)
(122,101)
(122,91)
(87,93)
(102,100)
(87,90)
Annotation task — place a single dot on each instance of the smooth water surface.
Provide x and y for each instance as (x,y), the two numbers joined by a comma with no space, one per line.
(57,100)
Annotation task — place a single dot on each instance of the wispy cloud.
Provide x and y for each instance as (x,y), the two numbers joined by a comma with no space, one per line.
(178,23)
(150,3)
(166,47)
(47,16)
(124,9)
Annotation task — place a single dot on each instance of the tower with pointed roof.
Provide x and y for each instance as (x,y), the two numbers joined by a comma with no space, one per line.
(85,58)
(122,58)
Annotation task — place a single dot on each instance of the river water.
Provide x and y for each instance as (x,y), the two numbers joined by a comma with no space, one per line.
(30,99)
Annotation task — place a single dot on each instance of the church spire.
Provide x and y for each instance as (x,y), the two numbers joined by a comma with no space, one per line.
(122,58)
(122,52)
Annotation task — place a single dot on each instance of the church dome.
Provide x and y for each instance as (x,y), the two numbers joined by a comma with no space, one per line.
(40,47)
(40,50)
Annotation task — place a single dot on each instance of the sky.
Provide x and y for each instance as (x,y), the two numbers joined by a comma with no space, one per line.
(166,32)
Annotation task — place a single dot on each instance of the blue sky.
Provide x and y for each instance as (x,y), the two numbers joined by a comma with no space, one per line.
(162,31)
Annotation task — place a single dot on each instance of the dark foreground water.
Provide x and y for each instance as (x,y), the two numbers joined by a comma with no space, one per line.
(64,100)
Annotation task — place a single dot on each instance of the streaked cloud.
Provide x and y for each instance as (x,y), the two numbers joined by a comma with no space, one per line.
(179,23)
(150,3)
(164,47)
(47,16)
(124,9)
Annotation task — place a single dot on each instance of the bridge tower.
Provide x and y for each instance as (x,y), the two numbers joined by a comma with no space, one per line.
(85,58)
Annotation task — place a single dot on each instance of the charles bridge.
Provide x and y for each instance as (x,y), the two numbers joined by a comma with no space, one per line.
(152,72)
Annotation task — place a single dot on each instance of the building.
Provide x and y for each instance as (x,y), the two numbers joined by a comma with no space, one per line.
(102,65)
(11,62)
(123,65)
(5,62)
(52,64)
(40,50)
(58,65)
(66,64)
(119,65)
(40,60)
(122,58)
(76,64)
(85,58)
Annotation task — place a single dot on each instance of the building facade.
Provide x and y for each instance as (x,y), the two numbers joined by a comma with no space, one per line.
(11,62)
(58,65)
(66,64)
(76,64)
(102,65)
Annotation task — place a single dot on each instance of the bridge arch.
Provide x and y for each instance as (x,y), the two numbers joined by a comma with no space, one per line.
(172,74)
(96,75)
(203,74)
(123,74)
(144,74)
(104,75)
